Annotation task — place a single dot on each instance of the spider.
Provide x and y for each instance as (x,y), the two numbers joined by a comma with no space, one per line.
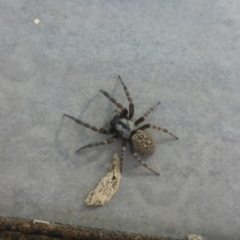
(122,125)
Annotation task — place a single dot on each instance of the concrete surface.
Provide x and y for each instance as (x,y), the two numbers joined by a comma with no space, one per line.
(182,53)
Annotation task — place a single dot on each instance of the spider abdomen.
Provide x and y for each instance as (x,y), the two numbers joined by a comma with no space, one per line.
(143,142)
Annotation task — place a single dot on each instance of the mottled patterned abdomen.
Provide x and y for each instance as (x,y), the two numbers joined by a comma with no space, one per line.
(143,142)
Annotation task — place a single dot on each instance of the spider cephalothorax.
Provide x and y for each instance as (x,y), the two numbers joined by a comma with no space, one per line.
(122,125)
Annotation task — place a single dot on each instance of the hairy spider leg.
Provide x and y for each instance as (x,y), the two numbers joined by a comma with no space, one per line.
(130,101)
(123,148)
(95,129)
(124,111)
(143,118)
(158,128)
(106,142)
(141,161)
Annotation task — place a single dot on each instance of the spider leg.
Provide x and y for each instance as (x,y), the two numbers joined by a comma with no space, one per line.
(106,94)
(158,128)
(122,153)
(130,101)
(143,118)
(106,142)
(141,161)
(95,129)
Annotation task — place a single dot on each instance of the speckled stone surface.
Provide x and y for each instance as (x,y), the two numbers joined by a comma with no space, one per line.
(185,54)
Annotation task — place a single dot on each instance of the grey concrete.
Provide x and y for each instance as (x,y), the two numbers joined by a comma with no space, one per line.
(185,54)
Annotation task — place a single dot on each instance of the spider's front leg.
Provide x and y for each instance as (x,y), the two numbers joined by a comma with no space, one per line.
(145,115)
(124,111)
(95,129)
(130,101)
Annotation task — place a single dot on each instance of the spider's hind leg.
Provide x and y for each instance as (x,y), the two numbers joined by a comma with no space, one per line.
(141,161)
(157,128)
(106,142)
(95,129)
(122,153)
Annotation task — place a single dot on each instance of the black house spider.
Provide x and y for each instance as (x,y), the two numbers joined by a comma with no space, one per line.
(122,125)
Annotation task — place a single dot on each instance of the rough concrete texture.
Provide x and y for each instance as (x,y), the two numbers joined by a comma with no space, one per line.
(182,53)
